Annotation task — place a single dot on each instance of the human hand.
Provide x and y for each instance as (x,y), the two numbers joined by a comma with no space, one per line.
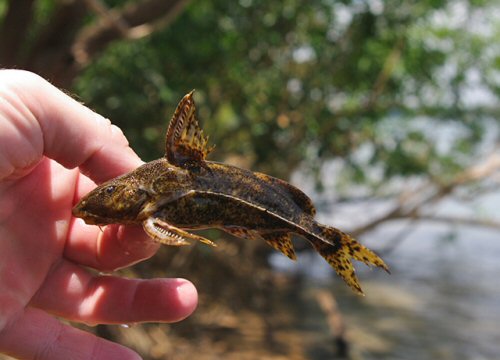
(52,150)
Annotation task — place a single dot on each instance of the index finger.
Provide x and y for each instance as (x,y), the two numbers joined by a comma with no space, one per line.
(59,127)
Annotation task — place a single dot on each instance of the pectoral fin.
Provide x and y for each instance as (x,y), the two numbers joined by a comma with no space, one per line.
(168,234)
(185,144)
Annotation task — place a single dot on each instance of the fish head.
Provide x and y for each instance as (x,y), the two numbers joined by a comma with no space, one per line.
(117,201)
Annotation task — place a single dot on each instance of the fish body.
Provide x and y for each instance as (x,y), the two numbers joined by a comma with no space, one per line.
(183,191)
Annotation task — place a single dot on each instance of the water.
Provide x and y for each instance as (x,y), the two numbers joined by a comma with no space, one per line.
(451,294)
(442,300)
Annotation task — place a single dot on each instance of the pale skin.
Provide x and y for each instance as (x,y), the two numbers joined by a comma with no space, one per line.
(53,150)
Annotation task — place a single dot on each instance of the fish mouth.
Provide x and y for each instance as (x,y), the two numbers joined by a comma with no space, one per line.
(88,217)
(78,212)
(100,220)
(96,220)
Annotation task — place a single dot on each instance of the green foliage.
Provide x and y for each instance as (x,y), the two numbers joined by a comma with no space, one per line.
(3,8)
(291,82)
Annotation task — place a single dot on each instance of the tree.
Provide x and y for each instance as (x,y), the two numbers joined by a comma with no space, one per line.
(294,84)
(398,98)
(54,39)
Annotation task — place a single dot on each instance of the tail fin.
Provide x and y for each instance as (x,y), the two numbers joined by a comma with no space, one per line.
(338,248)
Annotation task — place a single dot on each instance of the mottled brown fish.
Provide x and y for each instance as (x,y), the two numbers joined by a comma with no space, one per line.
(182,191)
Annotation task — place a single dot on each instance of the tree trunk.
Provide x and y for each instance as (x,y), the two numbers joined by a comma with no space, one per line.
(63,47)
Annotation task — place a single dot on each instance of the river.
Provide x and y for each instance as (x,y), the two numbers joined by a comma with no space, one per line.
(442,300)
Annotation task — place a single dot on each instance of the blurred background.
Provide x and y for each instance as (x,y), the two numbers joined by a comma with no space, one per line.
(386,113)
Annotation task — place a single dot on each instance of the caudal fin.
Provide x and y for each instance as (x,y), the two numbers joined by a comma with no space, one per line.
(338,248)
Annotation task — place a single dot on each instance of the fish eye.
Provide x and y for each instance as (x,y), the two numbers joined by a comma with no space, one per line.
(110,189)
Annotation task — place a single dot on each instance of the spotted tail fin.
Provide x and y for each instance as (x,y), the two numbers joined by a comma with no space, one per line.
(338,248)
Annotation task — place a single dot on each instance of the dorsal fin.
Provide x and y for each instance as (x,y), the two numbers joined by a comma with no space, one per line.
(185,144)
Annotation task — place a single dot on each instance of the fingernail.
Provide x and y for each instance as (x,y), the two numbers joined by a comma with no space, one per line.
(188,296)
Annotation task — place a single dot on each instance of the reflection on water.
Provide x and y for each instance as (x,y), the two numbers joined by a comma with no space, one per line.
(442,300)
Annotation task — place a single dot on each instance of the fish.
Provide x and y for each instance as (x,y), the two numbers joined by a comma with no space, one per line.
(183,192)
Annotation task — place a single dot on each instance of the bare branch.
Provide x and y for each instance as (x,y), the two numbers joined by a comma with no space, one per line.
(136,20)
(459,220)
(410,203)
(107,16)
(480,171)
(336,323)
